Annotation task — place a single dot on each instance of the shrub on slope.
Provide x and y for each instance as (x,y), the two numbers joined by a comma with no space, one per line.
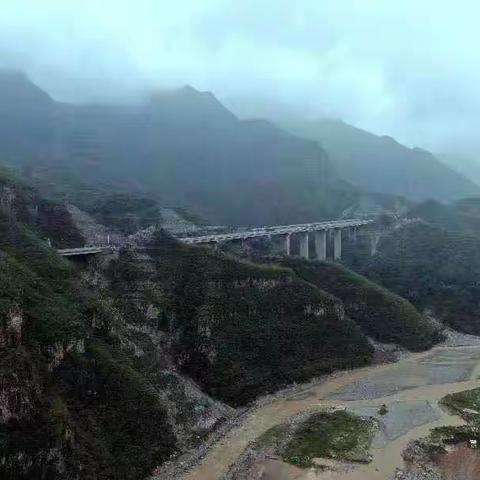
(64,415)
(381,314)
(433,268)
(244,329)
(42,284)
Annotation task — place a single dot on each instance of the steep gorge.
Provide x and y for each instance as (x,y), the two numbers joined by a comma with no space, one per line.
(112,365)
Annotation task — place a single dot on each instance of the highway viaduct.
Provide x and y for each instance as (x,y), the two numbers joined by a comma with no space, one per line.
(320,230)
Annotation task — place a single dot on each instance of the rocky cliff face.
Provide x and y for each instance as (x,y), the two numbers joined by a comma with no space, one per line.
(381,314)
(22,204)
(134,309)
(89,389)
(71,404)
(238,329)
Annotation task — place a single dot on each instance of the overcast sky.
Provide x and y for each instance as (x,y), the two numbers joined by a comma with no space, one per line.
(407,68)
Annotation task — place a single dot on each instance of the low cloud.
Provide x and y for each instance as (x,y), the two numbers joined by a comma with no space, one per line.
(405,68)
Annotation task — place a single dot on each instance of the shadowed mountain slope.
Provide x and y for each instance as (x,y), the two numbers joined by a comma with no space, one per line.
(381,164)
(435,268)
(460,216)
(182,148)
(381,314)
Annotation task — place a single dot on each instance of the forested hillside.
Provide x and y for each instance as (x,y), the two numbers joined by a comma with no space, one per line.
(111,365)
(242,329)
(381,314)
(435,268)
(461,216)
(71,404)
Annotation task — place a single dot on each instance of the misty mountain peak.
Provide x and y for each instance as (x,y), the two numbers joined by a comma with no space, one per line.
(188,102)
(389,139)
(16,90)
(188,90)
(382,164)
(421,150)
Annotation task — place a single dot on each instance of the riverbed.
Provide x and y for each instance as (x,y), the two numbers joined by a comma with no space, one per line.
(410,388)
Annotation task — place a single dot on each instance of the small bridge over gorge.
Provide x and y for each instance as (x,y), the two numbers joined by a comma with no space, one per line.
(303,231)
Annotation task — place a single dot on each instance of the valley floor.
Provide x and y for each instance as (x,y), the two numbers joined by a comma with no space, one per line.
(410,388)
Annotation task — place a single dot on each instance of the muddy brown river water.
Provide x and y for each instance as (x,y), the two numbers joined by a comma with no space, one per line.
(411,389)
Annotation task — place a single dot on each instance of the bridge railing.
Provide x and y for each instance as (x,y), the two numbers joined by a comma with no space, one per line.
(276,230)
(68,252)
(239,235)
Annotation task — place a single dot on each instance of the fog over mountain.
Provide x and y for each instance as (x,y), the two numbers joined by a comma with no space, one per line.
(406,69)
(223,227)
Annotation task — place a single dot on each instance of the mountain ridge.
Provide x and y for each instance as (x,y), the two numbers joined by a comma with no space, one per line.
(182,149)
(382,164)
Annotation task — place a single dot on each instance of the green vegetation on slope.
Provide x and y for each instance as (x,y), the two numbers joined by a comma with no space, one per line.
(460,216)
(435,269)
(22,204)
(119,424)
(35,279)
(94,417)
(126,213)
(457,402)
(113,206)
(463,404)
(440,437)
(244,329)
(64,414)
(338,435)
(381,314)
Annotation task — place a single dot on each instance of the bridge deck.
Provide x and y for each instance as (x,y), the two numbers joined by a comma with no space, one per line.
(69,252)
(239,235)
(277,230)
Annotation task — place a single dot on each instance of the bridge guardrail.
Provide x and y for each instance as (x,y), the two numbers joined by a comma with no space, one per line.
(276,230)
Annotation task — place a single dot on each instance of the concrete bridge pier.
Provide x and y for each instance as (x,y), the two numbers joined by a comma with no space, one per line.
(246,247)
(304,245)
(374,239)
(288,244)
(337,244)
(321,244)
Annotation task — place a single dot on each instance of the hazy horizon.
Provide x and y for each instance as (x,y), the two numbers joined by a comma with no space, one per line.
(394,68)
